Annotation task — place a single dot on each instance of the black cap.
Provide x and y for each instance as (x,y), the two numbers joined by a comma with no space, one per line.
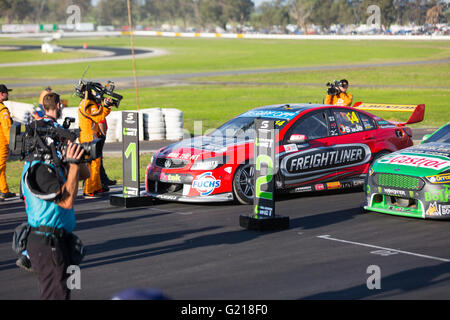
(45,179)
(4,89)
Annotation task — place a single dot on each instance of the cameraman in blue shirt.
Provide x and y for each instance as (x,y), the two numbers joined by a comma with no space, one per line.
(50,191)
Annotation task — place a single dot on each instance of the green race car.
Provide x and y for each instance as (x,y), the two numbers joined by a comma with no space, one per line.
(413,182)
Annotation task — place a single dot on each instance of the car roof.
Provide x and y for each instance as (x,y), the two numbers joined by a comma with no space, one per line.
(291,106)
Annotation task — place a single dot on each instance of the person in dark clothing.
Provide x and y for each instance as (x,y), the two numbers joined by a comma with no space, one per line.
(50,191)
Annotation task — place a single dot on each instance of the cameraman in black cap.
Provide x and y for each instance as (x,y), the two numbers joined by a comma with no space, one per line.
(50,190)
(337,94)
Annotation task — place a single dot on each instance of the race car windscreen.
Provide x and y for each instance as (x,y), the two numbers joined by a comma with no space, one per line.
(441,136)
(243,127)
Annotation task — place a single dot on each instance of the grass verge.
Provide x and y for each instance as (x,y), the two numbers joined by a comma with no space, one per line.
(201,55)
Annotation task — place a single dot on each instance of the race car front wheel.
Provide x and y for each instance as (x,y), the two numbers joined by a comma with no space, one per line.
(243,183)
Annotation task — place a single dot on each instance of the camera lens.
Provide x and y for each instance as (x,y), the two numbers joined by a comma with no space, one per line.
(92,150)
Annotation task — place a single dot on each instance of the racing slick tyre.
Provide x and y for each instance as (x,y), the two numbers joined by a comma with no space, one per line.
(361,208)
(243,183)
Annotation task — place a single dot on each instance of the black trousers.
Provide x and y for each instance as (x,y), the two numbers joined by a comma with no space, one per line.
(103,176)
(50,259)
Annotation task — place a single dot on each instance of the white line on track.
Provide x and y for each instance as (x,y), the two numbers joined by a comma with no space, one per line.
(327,237)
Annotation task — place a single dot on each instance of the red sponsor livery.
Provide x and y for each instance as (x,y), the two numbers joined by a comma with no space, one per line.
(418,161)
(319,187)
(315,145)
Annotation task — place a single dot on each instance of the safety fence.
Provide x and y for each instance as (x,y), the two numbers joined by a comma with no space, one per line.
(229,35)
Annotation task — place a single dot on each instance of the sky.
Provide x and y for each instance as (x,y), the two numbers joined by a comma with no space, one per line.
(258,2)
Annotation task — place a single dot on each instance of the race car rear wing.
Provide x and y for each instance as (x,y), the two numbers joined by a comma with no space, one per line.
(418,111)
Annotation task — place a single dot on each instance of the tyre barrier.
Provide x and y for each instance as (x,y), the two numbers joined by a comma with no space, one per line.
(20,112)
(173,119)
(72,113)
(154,123)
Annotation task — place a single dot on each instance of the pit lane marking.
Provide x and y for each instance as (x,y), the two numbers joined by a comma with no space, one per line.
(390,250)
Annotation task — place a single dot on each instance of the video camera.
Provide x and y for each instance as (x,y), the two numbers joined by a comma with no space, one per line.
(98,92)
(43,141)
(333,88)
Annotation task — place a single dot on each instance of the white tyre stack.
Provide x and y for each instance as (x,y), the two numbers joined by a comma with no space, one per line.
(141,126)
(153,125)
(71,113)
(20,112)
(173,119)
(119,127)
(114,121)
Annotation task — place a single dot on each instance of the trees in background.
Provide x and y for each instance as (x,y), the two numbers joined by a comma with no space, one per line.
(208,14)
(300,11)
(271,14)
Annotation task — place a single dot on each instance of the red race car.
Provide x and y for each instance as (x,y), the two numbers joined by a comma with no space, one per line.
(319,147)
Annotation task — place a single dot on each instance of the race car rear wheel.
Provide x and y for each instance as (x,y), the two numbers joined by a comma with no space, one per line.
(243,183)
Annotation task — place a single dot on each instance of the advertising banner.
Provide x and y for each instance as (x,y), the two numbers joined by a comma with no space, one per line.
(265,168)
(130,156)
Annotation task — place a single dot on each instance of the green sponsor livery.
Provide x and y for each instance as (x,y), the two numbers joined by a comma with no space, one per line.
(413,182)
(442,195)
(264,205)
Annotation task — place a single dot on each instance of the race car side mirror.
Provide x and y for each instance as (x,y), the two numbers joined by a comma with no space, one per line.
(297,138)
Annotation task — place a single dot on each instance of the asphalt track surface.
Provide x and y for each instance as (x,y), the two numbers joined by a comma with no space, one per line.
(104,53)
(199,252)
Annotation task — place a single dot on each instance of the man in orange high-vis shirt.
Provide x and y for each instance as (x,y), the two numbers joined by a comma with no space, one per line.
(342,98)
(5,125)
(90,113)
